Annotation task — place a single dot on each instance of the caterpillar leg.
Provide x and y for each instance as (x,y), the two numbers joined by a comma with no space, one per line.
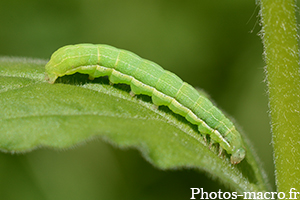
(220,151)
(91,77)
(204,138)
(211,143)
(132,93)
(155,107)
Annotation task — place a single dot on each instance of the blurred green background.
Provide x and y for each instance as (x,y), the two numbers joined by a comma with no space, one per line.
(213,45)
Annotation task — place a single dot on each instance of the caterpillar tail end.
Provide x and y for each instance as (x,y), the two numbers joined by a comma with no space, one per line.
(238,156)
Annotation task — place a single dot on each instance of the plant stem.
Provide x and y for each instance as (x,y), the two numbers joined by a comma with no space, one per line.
(282,57)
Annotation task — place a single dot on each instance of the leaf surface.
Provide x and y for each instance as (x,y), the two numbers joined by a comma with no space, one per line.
(37,114)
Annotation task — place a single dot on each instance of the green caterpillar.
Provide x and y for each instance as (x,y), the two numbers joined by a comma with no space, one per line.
(146,77)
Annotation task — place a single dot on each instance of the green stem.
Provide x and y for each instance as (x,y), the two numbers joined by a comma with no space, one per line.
(282,57)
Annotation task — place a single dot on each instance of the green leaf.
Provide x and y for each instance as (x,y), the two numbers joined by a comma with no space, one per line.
(37,114)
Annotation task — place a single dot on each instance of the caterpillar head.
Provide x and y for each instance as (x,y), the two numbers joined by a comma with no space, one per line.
(237,156)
